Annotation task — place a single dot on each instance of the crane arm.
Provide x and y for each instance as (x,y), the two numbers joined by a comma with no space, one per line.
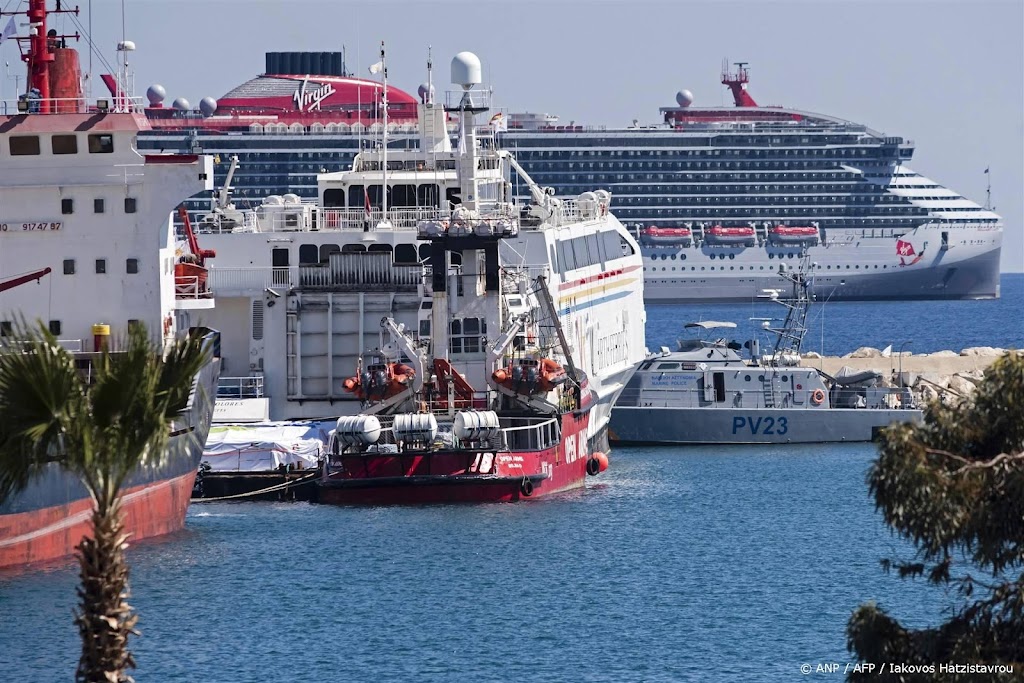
(22,279)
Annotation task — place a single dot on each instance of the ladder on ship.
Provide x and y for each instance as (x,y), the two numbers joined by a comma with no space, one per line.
(768,386)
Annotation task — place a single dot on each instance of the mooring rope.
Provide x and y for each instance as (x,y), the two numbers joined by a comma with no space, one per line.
(269,489)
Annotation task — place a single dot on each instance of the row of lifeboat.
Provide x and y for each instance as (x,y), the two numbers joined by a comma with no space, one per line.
(381,380)
(720,235)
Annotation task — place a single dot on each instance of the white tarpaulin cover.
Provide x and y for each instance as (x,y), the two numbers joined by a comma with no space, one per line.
(264,446)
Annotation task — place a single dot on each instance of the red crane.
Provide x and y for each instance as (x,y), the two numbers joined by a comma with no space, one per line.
(193,244)
(22,279)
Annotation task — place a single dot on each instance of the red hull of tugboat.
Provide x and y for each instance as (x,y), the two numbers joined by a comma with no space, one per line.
(462,476)
(49,533)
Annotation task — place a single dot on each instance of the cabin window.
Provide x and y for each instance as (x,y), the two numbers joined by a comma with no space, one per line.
(402,195)
(101,266)
(356,196)
(67,205)
(130,205)
(309,254)
(353,249)
(101,143)
(64,144)
(24,145)
(428,195)
(554,259)
(567,259)
(55,328)
(668,366)
(134,323)
(334,198)
(326,250)
(6,328)
(405,253)
(379,248)
(131,266)
(69,266)
(581,252)
(594,246)
(97,205)
(424,328)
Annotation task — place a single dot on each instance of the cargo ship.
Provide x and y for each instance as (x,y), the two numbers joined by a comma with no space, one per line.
(87,246)
(748,184)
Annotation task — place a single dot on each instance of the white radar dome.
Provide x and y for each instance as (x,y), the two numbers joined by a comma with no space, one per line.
(684,98)
(466,70)
(426,93)
(156,94)
(181,104)
(207,105)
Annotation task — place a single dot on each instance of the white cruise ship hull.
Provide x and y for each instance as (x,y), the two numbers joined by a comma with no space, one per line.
(967,269)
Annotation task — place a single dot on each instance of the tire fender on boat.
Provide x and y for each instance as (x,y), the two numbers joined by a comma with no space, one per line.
(526,488)
(593,466)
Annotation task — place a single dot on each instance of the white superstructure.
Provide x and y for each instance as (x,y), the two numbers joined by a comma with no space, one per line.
(77,197)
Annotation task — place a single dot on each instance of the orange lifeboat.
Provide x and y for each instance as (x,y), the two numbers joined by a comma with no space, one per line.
(669,236)
(380,381)
(530,376)
(794,234)
(743,235)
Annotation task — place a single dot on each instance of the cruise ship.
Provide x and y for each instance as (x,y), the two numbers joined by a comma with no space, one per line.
(716,196)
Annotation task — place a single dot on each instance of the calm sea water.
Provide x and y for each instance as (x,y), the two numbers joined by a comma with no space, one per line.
(678,564)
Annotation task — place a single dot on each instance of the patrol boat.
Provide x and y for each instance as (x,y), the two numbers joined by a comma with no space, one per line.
(707,393)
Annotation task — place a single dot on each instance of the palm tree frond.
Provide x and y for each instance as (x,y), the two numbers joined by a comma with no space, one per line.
(41,399)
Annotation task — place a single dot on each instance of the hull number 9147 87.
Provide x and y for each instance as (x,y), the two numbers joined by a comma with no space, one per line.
(760,425)
(31,226)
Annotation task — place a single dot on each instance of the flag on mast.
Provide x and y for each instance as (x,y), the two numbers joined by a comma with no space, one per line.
(366,204)
(499,122)
(376,68)
(9,30)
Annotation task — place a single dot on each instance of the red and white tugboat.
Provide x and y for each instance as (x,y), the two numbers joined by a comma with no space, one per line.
(502,390)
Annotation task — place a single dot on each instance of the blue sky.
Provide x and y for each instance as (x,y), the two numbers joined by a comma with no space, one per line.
(946,74)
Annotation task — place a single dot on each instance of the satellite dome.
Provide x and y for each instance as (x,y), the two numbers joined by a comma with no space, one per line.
(426,93)
(156,94)
(181,104)
(207,106)
(684,98)
(466,70)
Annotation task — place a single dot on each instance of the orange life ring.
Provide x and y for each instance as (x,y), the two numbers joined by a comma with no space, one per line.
(817,397)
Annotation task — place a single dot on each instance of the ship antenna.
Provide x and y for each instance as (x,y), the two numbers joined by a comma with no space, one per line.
(430,76)
(384,156)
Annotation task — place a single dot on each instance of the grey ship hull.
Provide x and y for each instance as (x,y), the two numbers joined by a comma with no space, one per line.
(654,425)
